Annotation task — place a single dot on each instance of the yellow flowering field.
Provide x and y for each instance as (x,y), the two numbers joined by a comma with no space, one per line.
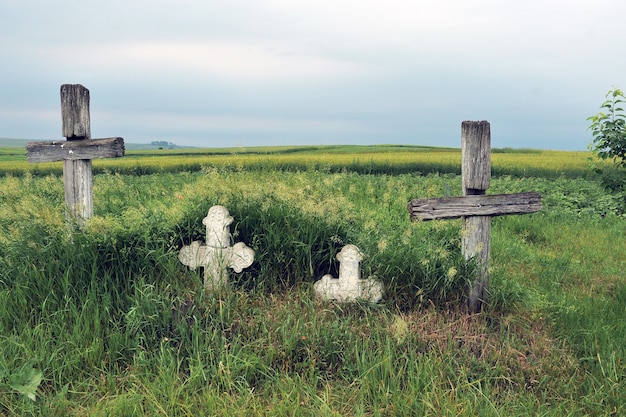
(364,159)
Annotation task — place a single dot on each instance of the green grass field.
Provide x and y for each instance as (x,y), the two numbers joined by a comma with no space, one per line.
(106,321)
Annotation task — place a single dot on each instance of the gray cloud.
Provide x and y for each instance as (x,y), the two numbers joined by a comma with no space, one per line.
(225,73)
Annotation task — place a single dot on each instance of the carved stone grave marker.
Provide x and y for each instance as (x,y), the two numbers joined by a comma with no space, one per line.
(475,208)
(217,255)
(349,286)
(76,152)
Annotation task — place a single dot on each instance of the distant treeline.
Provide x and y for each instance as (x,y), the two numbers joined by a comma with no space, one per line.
(163,144)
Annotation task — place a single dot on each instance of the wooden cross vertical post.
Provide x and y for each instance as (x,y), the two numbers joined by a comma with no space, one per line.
(77,173)
(77,152)
(476,178)
(475,208)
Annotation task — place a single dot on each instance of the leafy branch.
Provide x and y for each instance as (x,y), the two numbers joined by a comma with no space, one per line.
(608,128)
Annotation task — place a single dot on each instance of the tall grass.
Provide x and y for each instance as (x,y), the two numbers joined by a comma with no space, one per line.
(117,326)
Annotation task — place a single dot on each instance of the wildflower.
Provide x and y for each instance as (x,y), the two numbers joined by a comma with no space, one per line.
(452,272)
(370,224)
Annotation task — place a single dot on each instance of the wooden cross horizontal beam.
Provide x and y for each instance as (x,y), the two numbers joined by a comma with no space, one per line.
(74,150)
(474,205)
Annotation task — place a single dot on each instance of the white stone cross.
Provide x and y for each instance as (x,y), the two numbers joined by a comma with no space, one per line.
(349,286)
(217,255)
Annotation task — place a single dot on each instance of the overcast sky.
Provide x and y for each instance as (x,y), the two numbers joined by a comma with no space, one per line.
(274,72)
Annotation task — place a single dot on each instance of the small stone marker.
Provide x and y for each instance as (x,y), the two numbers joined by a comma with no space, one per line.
(76,152)
(475,208)
(349,286)
(217,255)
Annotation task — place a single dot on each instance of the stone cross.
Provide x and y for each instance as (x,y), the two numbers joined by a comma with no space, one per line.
(475,208)
(349,286)
(76,152)
(217,255)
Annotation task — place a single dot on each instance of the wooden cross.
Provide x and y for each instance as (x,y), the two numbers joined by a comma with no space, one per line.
(76,152)
(475,208)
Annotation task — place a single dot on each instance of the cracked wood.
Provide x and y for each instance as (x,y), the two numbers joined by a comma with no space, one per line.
(474,205)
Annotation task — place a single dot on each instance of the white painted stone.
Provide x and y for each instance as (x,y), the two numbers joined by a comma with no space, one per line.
(217,255)
(349,286)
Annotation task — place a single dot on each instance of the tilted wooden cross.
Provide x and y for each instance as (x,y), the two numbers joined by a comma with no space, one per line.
(475,208)
(76,152)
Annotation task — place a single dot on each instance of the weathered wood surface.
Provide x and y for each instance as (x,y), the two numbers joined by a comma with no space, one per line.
(476,230)
(476,245)
(475,157)
(77,176)
(75,112)
(74,150)
(474,205)
(78,189)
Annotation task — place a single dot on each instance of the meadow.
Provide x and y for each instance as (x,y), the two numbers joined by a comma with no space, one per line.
(106,321)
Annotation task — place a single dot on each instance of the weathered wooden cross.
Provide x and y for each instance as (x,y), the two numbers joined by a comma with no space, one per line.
(475,208)
(76,152)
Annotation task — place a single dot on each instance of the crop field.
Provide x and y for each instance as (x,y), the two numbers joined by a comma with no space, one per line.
(380,159)
(105,320)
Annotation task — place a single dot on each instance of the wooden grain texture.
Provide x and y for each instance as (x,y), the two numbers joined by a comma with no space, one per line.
(75,112)
(475,157)
(474,205)
(476,230)
(74,150)
(476,245)
(78,188)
